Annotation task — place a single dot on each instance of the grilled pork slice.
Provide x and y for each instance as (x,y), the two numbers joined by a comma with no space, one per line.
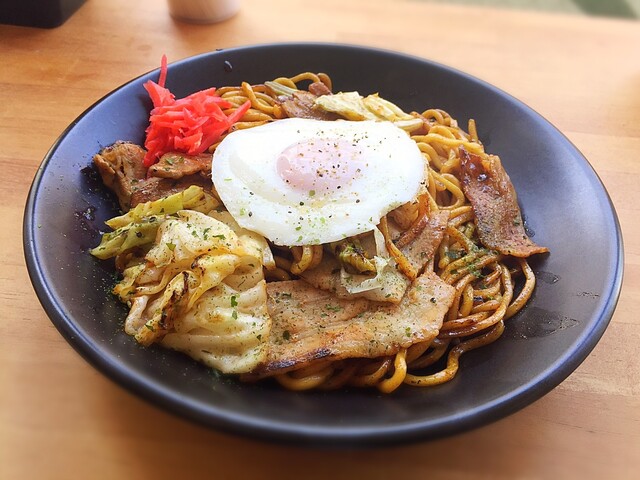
(120,166)
(301,104)
(495,204)
(419,248)
(319,89)
(177,165)
(312,325)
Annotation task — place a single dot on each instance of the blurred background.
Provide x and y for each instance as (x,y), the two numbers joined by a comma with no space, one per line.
(610,8)
(53,13)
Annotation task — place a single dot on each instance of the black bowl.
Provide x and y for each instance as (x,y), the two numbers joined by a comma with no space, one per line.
(563,201)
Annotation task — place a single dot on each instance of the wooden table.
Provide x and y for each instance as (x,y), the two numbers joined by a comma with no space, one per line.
(60,418)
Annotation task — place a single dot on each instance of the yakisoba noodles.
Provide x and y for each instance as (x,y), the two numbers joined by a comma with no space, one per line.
(480,275)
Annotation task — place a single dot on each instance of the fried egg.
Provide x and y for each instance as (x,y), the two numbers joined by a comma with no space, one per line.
(308,182)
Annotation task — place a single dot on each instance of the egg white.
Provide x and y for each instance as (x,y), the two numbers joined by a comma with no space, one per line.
(390,169)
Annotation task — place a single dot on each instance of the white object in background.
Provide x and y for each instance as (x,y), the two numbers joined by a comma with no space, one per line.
(203,11)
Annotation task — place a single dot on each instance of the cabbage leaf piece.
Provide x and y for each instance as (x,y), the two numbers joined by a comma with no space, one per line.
(253,241)
(139,226)
(190,234)
(129,236)
(193,198)
(387,285)
(227,329)
(200,289)
(352,106)
(386,279)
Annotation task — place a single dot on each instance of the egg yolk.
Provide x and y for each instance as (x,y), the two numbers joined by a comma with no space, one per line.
(320,166)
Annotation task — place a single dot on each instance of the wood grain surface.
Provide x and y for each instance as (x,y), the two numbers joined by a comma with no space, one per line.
(60,418)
